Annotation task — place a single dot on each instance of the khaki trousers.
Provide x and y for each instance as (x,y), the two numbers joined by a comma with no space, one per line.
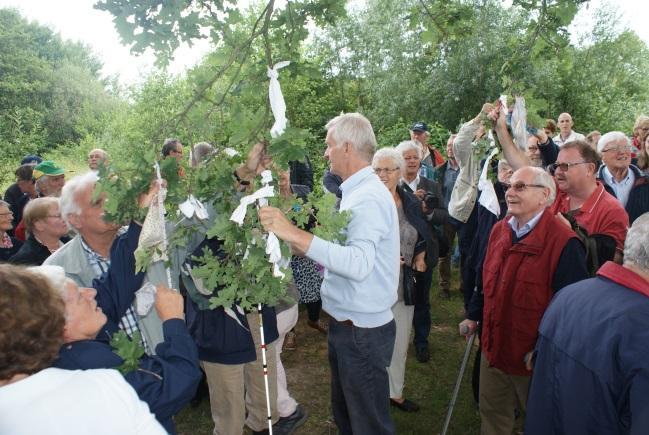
(500,395)
(237,387)
(444,263)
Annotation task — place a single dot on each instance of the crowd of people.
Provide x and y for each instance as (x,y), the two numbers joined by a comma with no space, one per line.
(554,283)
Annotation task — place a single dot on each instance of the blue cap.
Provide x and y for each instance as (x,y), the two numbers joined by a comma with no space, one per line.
(31,159)
(419,126)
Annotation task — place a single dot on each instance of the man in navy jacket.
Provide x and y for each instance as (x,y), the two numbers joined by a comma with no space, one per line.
(167,381)
(591,372)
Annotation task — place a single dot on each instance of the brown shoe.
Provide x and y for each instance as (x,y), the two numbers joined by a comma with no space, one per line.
(290,341)
(319,325)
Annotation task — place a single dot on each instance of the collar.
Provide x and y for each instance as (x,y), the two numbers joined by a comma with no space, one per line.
(91,251)
(357,178)
(414,182)
(625,277)
(593,199)
(529,226)
(610,180)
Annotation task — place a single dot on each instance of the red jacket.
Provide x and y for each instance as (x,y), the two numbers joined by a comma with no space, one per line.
(517,280)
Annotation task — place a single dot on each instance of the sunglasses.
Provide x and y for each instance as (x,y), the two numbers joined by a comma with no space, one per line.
(520,187)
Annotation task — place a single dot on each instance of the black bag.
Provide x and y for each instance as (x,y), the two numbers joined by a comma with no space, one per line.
(409,285)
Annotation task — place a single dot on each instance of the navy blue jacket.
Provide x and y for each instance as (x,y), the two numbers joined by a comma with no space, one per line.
(638,202)
(167,381)
(218,336)
(591,373)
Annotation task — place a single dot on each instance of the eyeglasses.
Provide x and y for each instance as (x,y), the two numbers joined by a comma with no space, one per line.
(9,213)
(519,187)
(619,149)
(379,171)
(563,166)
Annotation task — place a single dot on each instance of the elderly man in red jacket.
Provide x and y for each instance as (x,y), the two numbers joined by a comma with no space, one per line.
(530,256)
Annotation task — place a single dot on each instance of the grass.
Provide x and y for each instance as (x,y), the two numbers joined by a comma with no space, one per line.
(430,384)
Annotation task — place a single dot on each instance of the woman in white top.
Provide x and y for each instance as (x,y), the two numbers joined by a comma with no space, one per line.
(35,399)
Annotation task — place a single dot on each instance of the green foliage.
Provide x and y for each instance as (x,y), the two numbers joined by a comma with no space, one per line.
(130,350)
(50,91)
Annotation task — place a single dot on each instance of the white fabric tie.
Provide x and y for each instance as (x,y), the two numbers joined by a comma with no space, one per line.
(277,104)
(239,214)
(488,198)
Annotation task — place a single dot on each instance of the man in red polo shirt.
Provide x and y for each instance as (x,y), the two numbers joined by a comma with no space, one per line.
(579,195)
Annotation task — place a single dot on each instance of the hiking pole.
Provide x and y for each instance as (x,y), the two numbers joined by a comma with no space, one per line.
(456,390)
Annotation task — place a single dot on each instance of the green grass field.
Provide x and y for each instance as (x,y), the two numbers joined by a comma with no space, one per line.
(430,384)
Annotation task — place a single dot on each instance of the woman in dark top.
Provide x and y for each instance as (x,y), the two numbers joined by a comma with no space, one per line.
(8,245)
(417,252)
(46,231)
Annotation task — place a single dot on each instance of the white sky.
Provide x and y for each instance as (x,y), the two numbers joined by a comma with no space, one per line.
(77,20)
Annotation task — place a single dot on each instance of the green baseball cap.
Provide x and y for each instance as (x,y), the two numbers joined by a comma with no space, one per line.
(47,167)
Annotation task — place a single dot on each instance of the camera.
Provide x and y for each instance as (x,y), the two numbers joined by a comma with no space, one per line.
(431,201)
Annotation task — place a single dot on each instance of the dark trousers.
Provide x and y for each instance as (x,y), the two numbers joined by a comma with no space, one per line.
(421,322)
(360,393)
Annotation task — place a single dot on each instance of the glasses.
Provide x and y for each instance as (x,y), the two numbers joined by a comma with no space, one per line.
(563,166)
(520,187)
(379,171)
(619,149)
(9,213)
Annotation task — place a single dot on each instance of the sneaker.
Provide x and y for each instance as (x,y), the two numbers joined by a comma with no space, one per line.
(423,356)
(288,425)
(290,341)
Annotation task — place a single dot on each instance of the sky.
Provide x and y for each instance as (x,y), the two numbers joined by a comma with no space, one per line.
(77,20)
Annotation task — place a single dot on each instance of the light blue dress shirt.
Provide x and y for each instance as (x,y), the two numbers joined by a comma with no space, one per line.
(623,188)
(361,277)
(529,226)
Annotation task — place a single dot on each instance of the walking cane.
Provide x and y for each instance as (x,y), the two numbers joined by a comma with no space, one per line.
(456,390)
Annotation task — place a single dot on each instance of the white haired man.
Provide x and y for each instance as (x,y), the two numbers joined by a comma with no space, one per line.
(522,270)
(620,178)
(591,370)
(361,279)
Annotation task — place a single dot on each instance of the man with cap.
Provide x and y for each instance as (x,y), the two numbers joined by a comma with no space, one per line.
(49,179)
(431,157)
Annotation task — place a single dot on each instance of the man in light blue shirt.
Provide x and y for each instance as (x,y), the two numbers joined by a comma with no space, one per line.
(360,281)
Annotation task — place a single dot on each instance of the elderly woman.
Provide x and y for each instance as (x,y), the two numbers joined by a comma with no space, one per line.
(35,398)
(46,231)
(8,245)
(416,250)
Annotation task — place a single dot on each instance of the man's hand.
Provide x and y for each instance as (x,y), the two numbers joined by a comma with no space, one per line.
(467,327)
(168,303)
(273,220)
(420,194)
(529,360)
(543,137)
(145,199)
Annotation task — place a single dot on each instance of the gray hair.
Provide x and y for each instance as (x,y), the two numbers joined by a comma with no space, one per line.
(636,246)
(502,163)
(355,129)
(410,145)
(200,152)
(389,153)
(611,136)
(68,202)
(544,179)
(4,204)
(55,276)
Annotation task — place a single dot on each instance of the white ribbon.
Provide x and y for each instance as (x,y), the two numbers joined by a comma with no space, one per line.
(193,207)
(277,104)
(145,299)
(519,123)
(239,214)
(488,198)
